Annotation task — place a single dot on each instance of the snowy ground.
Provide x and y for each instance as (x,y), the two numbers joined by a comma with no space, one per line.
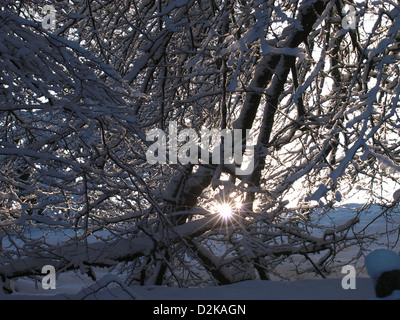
(72,285)
(321,289)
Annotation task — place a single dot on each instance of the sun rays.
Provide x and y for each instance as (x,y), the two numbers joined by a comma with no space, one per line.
(224,210)
(227,213)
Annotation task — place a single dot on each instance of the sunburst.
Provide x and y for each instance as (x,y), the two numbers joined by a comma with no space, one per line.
(225,210)
(227,213)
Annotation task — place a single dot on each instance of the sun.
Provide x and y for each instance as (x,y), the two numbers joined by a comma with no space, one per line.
(225,210)
(227,214)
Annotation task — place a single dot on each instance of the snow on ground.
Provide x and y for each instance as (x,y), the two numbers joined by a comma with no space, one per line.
(325,289)
(72,285)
